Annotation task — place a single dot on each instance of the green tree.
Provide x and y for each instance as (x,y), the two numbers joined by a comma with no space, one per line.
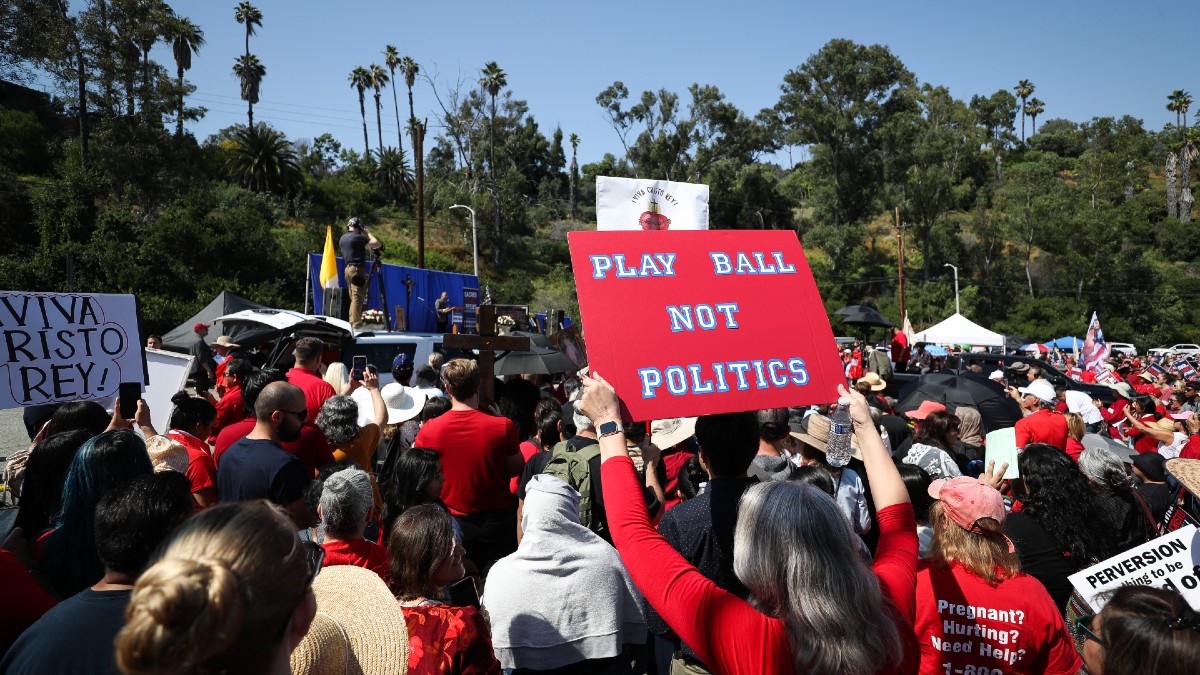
(261,159)
(996,114)
(1033,108)
(247,14)
(493,81)
(574,174)
(1024,90)
(250,71)
(379,80)
(391,173)
(185,39)
(391,59)
(360,80)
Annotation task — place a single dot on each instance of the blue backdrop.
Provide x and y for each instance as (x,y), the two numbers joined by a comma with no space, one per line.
(427,287)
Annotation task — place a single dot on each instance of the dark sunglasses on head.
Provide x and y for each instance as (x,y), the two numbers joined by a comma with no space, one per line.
(1084,623)
(314,557)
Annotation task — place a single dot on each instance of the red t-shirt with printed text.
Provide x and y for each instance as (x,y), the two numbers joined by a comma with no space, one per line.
(966,624)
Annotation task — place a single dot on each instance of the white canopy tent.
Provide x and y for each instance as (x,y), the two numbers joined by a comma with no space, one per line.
(959,330)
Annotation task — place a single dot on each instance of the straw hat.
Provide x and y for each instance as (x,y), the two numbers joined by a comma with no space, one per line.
(224,341)
(1165,423)
(1187,472)
(166,454)
(877,383)
(815,432)
(671,432)
(403,403)
(359,628)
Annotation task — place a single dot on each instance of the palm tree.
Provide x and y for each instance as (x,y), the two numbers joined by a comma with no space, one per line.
(248,14)
(410,68)
(185,39)
(574,174)
(494,79)
(391,59)
(1024,90)
(251,72)
(152,20)
(1185,103)
(1036,107)
(1187,154)
(1169,174)
(391,172)
(1173,104)
(262,159)
(360,79)
(379,80)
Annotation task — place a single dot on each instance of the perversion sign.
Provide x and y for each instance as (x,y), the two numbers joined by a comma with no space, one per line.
(1171,561)
(703,322)
(67,347)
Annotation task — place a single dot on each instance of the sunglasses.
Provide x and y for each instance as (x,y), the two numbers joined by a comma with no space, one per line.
(1084,624)
(314,557)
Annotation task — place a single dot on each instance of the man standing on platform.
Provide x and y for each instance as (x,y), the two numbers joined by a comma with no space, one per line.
(354,245)
(442,309)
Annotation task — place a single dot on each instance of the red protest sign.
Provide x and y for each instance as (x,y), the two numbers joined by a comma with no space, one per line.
(697,323)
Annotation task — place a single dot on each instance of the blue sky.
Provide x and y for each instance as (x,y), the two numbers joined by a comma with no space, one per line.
(1087,59)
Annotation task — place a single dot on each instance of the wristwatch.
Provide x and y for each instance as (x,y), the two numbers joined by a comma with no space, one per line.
(608,429)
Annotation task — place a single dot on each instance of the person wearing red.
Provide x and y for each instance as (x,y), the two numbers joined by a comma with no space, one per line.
(865,621)
(899,350)
(975,608)
(1191,449)
(191,422)
(480,452)
(312,447)
(347,503)
(231,407)
(1041,424)
(1114,415)
(1142,415)
(306,375)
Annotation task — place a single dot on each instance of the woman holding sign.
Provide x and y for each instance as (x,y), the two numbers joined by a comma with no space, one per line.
(975,609)
(831,613)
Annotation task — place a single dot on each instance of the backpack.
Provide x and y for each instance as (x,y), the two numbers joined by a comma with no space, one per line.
(570,465)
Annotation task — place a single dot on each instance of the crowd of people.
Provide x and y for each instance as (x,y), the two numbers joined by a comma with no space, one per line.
(309,520)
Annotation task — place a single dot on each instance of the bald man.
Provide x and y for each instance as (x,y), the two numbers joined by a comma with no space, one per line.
(257,466)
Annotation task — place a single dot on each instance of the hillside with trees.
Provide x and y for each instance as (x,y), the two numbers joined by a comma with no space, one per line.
(103,189)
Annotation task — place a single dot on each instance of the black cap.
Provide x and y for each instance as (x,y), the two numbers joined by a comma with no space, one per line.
(1152,465)
(1193,385)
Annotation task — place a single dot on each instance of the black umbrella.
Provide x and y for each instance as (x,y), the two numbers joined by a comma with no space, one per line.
(535,339)
(862,315)
(996,407)
(536,361)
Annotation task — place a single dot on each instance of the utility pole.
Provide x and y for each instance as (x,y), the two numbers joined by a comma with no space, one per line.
(900,260)
(419,163)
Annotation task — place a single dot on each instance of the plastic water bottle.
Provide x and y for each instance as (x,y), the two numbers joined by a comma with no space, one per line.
(840,430)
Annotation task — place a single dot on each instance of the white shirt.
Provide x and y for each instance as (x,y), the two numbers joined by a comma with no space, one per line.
(1171,450)
(1081,404)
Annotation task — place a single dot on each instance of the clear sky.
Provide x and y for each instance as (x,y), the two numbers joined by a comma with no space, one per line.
(1088,58)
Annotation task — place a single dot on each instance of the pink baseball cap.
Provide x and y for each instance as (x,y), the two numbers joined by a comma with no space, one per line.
(923,411)
(966,500)
(1186,414)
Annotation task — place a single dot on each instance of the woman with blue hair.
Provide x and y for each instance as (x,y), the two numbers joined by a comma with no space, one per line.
(68,558)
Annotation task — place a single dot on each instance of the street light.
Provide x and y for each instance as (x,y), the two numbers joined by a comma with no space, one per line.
(957,309)
(474,237)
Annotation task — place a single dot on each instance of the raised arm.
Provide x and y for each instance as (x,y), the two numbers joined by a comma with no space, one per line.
(887,488)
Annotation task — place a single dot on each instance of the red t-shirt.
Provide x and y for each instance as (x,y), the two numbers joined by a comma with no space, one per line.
(474,448)
(313,448)
(316,391)
(674,462)
(230,409)
(1074,448)
(899,347)
(726,632)
(359,553)
(1114,414)
(1141,441)
(528,449)
(1191,449)
(1043,426)
(1014,628)
(24,600)
(202,469)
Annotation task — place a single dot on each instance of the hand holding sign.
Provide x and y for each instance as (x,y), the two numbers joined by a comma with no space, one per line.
(599,401)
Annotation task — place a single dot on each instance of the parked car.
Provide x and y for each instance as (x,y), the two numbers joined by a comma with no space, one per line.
(1183,348)
(961,363)
(1125,348)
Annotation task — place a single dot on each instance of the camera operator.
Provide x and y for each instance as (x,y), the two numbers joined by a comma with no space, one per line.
(354,245)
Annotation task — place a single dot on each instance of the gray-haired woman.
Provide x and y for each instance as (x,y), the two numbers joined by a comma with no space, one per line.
(339,420)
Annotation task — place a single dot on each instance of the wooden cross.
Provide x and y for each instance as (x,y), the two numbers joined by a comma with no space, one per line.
(488,343)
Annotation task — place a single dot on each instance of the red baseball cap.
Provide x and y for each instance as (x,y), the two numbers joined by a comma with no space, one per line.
(966,500)
(199,325)
(923,411)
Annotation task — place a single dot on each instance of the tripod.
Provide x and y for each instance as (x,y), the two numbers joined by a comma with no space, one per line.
(375,269)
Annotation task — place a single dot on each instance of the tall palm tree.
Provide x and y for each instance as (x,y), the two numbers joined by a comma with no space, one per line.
(1185,103)
(185,39)
(410,68)
(391,59)
(152,20)
(379,80)
(391,172)
(1024,90)
(574,174)
(1173,105)
(262,159)
(493,81)
(1033,109)
(248,14)
(251,72)
(360,79)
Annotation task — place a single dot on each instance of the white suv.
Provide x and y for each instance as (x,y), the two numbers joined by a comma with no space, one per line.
(1175,349)
(1123,347)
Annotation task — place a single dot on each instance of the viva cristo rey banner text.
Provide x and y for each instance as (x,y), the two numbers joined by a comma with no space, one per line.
(696,323)
(652,205)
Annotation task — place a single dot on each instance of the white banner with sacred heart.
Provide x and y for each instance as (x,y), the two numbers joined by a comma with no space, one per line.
(636,204)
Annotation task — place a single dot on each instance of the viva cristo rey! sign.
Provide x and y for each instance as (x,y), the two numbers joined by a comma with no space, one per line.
(650,205)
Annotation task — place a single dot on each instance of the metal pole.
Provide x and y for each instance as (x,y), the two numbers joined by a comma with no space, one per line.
(957,308)
(900,260)
(474,238)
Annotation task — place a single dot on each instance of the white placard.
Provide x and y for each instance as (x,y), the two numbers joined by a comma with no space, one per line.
(635,204)
(60,347)
(168,374)
(1171,561)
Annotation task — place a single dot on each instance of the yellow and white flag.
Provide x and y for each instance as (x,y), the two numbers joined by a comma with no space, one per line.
(329,276)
